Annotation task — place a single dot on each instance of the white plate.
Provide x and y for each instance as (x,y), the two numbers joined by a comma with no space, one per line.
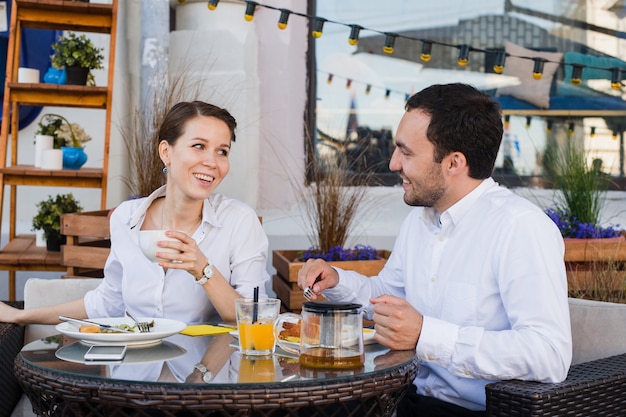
(162,328)
(135,354)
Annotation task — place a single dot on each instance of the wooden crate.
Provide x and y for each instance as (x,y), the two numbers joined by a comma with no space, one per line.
(88,244)
(284,283)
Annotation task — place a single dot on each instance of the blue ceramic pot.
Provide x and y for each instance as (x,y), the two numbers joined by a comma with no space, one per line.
(55,76)
(73,158)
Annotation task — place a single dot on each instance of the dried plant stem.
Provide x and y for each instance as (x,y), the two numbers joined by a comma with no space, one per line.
(141,137)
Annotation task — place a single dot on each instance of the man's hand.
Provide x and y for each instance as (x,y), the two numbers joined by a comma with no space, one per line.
(314,268)
(397,323)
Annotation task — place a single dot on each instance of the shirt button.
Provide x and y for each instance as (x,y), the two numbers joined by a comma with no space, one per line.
(432,279)
(431,358)
(442,238)
(427,389)
(468,373)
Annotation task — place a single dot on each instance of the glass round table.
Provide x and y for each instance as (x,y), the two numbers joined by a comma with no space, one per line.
(201,376)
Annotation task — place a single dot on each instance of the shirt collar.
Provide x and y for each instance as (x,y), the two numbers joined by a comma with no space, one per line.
(209,213)
(454,214)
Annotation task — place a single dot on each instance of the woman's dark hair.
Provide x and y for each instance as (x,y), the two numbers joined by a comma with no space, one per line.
(462,119)
(174,122)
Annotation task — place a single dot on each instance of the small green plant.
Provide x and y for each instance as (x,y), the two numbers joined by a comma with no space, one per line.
(583,189)
(73,50)
(48,218)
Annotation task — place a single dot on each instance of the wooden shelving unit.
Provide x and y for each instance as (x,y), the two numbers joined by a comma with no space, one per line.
(21,253)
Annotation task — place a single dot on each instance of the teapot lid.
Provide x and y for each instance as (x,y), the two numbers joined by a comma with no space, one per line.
(325,307)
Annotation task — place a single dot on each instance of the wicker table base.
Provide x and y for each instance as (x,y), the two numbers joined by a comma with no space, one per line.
(59,393)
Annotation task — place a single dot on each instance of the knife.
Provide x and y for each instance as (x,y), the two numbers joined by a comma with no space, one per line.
(93,323)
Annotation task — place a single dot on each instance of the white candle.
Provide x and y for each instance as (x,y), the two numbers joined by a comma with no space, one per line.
(52,159)
(42,143)
(27,75)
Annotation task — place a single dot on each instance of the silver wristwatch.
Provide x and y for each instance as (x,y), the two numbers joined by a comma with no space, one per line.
(207,273)
(207,375)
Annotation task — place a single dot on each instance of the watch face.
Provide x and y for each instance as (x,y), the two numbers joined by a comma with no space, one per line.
(208,271)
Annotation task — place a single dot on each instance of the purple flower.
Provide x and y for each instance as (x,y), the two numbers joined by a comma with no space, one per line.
(338,253)
(571,227)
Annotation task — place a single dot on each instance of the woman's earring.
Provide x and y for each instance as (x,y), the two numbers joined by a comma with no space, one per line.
(165,169)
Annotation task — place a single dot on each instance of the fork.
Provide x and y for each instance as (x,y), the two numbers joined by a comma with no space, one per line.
(143,326)
(308,292)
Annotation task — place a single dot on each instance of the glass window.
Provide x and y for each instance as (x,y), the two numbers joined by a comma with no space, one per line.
(404,46)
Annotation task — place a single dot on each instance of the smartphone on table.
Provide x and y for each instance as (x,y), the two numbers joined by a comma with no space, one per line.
(105,353)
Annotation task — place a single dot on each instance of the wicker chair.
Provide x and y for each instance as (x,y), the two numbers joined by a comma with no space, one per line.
(37,292)
(11,341)
(596,382)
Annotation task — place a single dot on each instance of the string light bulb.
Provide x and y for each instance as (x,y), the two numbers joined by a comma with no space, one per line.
(528,120)
(463,58)
(577,74)
(390,41)
(592,133)
(368,89)
(318,27)
(507,121)
(348,84)
(284,17)
(387,93)
(538,68)
(614,135)
(250,9)
(498,67)
(213,4)
(616,78)
(427,48)
(549,126)
(354,34)
(570,129)
(330,79)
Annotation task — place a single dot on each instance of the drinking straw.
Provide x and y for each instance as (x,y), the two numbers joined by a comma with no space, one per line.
(255,306)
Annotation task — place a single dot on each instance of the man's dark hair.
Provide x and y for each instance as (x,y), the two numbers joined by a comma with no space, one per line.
(463,119)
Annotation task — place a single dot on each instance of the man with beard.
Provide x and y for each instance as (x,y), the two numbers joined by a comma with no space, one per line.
(476,282)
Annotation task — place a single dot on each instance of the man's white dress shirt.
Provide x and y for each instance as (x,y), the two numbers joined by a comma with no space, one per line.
(488,276)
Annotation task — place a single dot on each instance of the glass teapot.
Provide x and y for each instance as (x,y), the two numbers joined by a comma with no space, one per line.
(325,335)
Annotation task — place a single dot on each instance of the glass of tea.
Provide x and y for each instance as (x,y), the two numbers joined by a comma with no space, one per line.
(328,335)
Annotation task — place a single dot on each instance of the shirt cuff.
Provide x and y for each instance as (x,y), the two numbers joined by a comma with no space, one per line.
(437,341)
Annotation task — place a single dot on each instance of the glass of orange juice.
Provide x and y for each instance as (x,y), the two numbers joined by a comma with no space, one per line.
(255,322)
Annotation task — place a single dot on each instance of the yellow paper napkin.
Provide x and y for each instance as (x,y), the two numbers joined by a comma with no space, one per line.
(206,330)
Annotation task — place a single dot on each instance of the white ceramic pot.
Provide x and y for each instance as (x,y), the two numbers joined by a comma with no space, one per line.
(42,143)
(52,159)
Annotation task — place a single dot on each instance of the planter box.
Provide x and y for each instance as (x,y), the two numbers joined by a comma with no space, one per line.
(594,265)
(287,268)
(285,281)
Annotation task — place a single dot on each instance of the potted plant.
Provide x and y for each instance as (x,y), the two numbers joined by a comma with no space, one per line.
(591,249)
(48,218)
(78,55)
(69,137)
(331,202)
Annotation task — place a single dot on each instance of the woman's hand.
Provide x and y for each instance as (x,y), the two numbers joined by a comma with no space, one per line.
(190,258)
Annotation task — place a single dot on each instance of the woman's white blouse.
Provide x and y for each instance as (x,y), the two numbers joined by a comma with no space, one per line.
(231,237)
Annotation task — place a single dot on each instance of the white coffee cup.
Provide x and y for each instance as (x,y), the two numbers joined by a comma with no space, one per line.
(148,243)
